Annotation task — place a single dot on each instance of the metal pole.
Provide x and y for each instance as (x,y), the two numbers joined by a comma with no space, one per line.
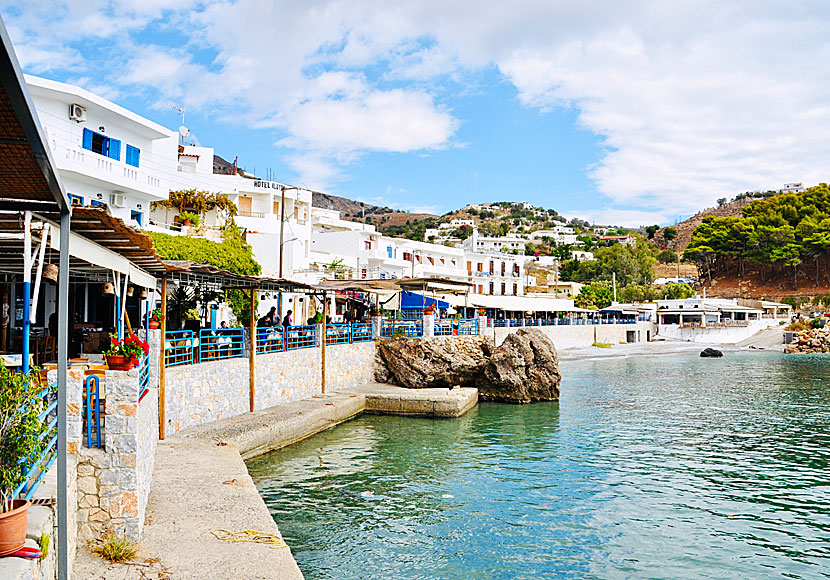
(27,288)
(252,372)
(163,328)
(282,226)
(63,356)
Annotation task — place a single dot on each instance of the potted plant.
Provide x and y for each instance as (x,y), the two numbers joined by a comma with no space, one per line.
(21,437)
(155,319)
(188,217)
(123,354)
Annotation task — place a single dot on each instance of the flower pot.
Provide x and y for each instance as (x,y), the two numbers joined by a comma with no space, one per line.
(118,362)
(154,324)
(13,527)
(187,222)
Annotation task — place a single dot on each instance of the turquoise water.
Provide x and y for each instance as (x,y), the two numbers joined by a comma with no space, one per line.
(650,467)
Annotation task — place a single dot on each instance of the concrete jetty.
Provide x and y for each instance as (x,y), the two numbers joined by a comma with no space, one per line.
(200,481)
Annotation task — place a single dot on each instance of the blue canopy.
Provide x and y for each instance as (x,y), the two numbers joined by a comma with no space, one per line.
(413,301)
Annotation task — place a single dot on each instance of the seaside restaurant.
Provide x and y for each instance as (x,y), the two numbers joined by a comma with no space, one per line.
(35,218)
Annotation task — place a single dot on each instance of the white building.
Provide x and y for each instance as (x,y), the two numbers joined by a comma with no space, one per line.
(711,320)
(509,243)
(105,154)
(558,236)
(495,274)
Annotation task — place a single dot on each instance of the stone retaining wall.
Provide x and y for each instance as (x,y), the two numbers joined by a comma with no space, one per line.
(197,394)
(114,481)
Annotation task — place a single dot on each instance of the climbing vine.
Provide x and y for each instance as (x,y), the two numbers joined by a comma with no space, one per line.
(198,201)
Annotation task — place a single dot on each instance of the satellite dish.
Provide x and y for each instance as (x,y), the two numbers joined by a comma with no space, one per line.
(184,131)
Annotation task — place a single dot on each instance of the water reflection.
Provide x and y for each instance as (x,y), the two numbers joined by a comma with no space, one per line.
(657,467)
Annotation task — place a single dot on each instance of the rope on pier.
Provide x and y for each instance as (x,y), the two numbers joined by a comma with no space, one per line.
(253,536)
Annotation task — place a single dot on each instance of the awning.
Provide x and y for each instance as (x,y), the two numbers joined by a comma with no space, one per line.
(413,301)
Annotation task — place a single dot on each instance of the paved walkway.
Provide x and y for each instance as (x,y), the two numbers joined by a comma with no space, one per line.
(200,483)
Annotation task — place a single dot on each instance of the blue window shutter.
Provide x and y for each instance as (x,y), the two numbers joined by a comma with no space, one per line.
(115,149)
(131,157)
(87,144)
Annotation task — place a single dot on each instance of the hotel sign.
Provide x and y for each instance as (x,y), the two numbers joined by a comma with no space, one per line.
(268,185)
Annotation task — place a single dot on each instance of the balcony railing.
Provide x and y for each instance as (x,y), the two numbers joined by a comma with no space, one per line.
(251,214)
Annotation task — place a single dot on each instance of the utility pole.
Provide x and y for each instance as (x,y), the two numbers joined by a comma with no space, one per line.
(282,225)
(614,279)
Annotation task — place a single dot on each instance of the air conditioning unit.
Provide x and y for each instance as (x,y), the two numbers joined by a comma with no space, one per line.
(118,200)
(77,113)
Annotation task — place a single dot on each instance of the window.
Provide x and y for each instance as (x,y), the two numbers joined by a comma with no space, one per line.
(503,288)
(367,245)
(491,289)
(96,203)
(389,251)
(469,267)
(407,256)
(75,199)
(481,289)
(102,145)
(135,215)
(131,156)
(515,289)
(431,261)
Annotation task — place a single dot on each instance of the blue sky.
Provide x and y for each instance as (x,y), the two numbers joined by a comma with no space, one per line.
(632,113)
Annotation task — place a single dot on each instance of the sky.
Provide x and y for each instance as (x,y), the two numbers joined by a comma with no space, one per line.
(627,113)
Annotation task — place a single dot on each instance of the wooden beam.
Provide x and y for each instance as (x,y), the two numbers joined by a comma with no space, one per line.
(161,354)
(323,345)
(252,373)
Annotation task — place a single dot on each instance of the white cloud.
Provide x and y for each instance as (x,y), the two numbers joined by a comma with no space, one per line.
(694,101)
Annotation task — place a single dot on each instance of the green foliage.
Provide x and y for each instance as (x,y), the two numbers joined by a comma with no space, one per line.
(639,293)
(43,544)
(778,231)
(197,201)
(410,231)
(674,291)
(463,232)
(669,233)
(594,295)
(189,216)
(667,256)
(115,548)
(22,434)
(651,230)
(232,254)
(601,345)
(815,323)
(632,264)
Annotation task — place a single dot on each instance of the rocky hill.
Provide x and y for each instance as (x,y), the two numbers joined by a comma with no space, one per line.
(685,228)
(359,211)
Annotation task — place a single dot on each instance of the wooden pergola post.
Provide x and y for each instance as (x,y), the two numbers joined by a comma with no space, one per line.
(252,372)
(163,328)
(323,345)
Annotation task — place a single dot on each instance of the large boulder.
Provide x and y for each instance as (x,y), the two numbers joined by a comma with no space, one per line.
(711,353)
(525,368)
(420,364)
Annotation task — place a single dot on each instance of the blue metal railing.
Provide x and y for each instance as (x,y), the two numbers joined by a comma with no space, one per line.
(221,343)
(361,331)
(338,334)
(143,376)
(389,328)
(303,336)
(38,466)
(467,327)
(178,348)
(270,339)
(443,328)
(92,411)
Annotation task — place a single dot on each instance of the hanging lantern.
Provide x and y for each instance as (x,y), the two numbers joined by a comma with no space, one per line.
(143,294)
(50,272)
(130,290)
(107,288)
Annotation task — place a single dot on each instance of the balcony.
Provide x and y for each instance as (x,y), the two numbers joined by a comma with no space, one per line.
(88,165)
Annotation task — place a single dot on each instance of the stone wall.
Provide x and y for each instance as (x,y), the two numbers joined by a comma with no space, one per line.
(717,334)
(196,394)
(114,481)
(349,365)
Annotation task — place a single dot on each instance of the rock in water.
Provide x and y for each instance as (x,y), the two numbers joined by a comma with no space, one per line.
(420,364)
(525,368)
(711,353)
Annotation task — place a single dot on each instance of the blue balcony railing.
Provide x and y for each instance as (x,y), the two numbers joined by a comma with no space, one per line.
(221,343)
(338,334)
(92,411)
(467,327)
(303,336)
(443,328)
(361,332)
(178,348)
(143,377)
(270,339)
(37,466)
(391,327)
